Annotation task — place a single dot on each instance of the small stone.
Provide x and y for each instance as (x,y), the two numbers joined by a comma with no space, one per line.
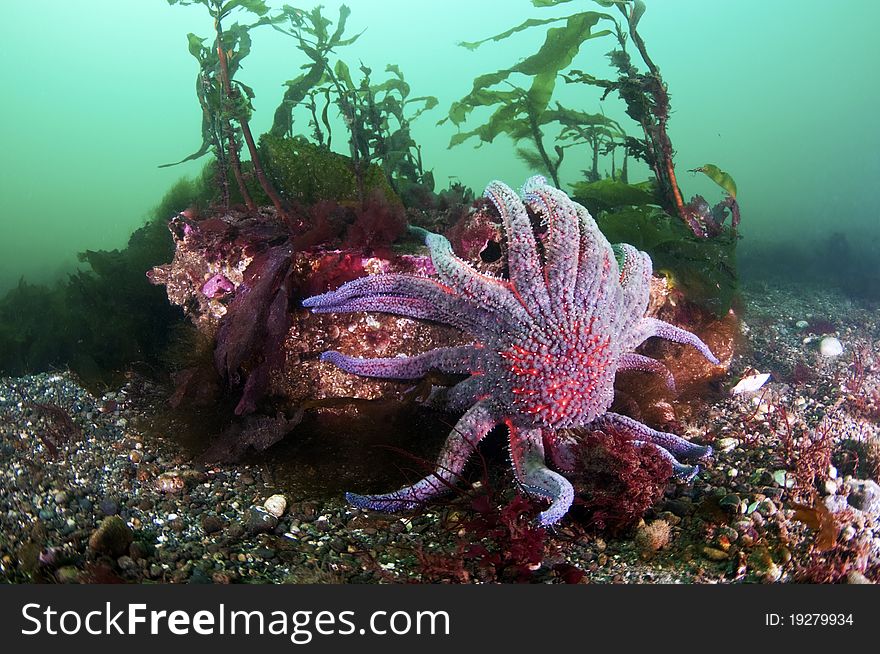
(60,498)
(211,524)
(856,577)
(714,554)
(652,537)
(126,563)
(109,507)
(67,575)
(170,483)
(247,479)
(802,324)
(830,347)
(864,495)
(112,537)
(276,505)
(259,521)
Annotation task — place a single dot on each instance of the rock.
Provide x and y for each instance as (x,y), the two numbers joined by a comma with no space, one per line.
(126,563)
(212,524)
(856,577)
(714,554)
(138,550)
(109,507)
(112,537)
(67,575)
(276,505)
(830,347)
(259,521)
(865,496)
(730,502)
(652,537)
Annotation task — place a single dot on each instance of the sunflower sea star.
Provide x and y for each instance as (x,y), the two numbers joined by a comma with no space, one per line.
(547,345)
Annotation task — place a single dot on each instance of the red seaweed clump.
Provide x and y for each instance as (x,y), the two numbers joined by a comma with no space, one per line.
(617,482)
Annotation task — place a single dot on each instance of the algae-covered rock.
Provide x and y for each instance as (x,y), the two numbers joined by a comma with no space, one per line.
(306,173)
(111,537)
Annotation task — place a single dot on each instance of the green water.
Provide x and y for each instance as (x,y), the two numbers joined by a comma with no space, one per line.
(97,93)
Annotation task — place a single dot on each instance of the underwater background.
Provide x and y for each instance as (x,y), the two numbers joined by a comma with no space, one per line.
(782,95)
(223,339)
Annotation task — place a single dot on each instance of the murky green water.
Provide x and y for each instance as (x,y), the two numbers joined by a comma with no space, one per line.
(97,93)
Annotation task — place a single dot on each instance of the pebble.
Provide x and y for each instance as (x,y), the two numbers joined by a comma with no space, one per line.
(714,554)
(258,520)
(864,495)
(112,537)
(211,524)
(276,505)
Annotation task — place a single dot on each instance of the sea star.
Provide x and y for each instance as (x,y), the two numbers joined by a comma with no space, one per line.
(547,345)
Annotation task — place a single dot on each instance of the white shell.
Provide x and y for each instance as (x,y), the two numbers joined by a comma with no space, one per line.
(830,347)
(750,383)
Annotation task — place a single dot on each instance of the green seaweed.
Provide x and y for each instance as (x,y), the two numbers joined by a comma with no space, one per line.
(225,100)
(704,269)
(724,180)
(377,116)
(520,113)
(612,194)
(306,173)
(107,318)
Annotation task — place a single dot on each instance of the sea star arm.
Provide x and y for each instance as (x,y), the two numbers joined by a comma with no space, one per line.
(675,445)
(680,470)
(445,359)
(638,362)
(562,245)
(635,284)
(649,327)
(473,322)
(405,295)
(465,393)
(468,432)
(530,468)
(481,290)
(596,265)
(524,264)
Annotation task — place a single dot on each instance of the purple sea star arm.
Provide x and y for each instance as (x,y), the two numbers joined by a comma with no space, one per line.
(680,470)
(530,467)
(468,432)
(445,359)
(562,245)
(474,321)
(597,265)
(482,290)
(649,327)
(466,393)
(561,447)
(408,295)
(676,445)
(524,264)
(638,362)
(635,282)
